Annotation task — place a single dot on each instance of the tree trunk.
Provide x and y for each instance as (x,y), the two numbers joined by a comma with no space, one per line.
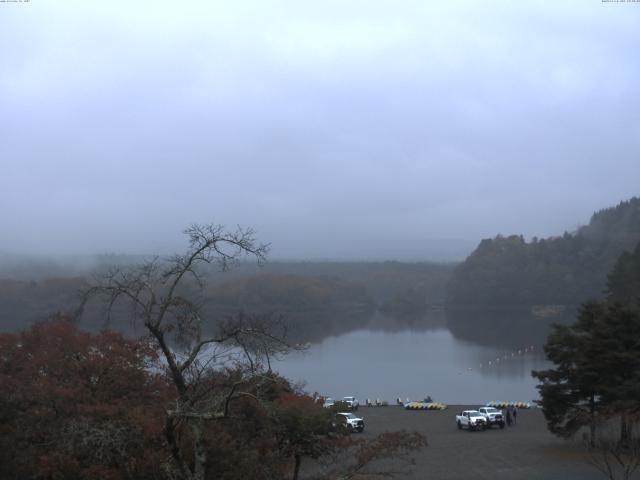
(176,454)
(592,425)
(296,467)
(624,431)
(200,451)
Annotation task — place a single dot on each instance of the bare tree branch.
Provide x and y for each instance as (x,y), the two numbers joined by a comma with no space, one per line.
(154,290)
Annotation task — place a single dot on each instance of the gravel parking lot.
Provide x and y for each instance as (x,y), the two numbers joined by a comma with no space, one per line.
(524,451)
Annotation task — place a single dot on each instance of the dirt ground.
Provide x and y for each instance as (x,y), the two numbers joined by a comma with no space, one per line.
(524,451)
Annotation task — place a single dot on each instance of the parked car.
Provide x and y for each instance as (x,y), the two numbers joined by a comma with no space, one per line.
(352,402)
(352,422)
(472,420)
(328,403)
(493,416)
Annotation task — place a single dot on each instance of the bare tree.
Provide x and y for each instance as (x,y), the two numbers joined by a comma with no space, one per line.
(611,457)
(387,455)
(166,297)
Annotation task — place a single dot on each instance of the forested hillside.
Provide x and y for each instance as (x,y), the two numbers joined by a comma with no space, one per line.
(565,270)
(315,298)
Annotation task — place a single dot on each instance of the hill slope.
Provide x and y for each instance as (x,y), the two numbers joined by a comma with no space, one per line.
(566,270)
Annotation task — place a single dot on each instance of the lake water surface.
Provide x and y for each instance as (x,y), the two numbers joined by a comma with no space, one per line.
(414,363)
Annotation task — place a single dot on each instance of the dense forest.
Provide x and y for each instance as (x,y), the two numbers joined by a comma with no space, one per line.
(565,270)
(316,298)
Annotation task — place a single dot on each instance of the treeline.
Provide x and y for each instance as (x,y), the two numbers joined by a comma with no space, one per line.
(383,281)
(566,270)
(312,306)
(316,298)
(287,292)
(395,288)
(23,302)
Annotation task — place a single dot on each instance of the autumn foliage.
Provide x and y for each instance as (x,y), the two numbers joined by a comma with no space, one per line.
(78,405)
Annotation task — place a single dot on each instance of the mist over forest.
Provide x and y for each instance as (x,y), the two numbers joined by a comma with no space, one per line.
(541,277)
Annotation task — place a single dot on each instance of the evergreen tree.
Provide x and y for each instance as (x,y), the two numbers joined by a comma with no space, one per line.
(623,283)
(597,370)
(571,392)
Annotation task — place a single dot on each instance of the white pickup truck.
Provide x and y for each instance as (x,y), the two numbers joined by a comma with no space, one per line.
(353,423)
(493,416)
(472,420)
(352,402)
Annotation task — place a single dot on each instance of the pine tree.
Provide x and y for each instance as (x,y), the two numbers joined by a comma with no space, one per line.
(623,283)
(597,370)
(571,392)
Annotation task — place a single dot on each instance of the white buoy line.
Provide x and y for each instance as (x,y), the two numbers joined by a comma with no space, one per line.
(502,359)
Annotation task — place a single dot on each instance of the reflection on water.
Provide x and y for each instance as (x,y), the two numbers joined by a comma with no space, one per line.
(455,359)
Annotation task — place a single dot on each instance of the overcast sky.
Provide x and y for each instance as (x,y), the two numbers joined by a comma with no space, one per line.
(337,129)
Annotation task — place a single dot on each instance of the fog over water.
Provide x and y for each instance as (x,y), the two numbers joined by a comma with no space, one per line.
(357,130)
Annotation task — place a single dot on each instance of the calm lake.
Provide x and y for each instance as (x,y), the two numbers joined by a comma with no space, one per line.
(454,362)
